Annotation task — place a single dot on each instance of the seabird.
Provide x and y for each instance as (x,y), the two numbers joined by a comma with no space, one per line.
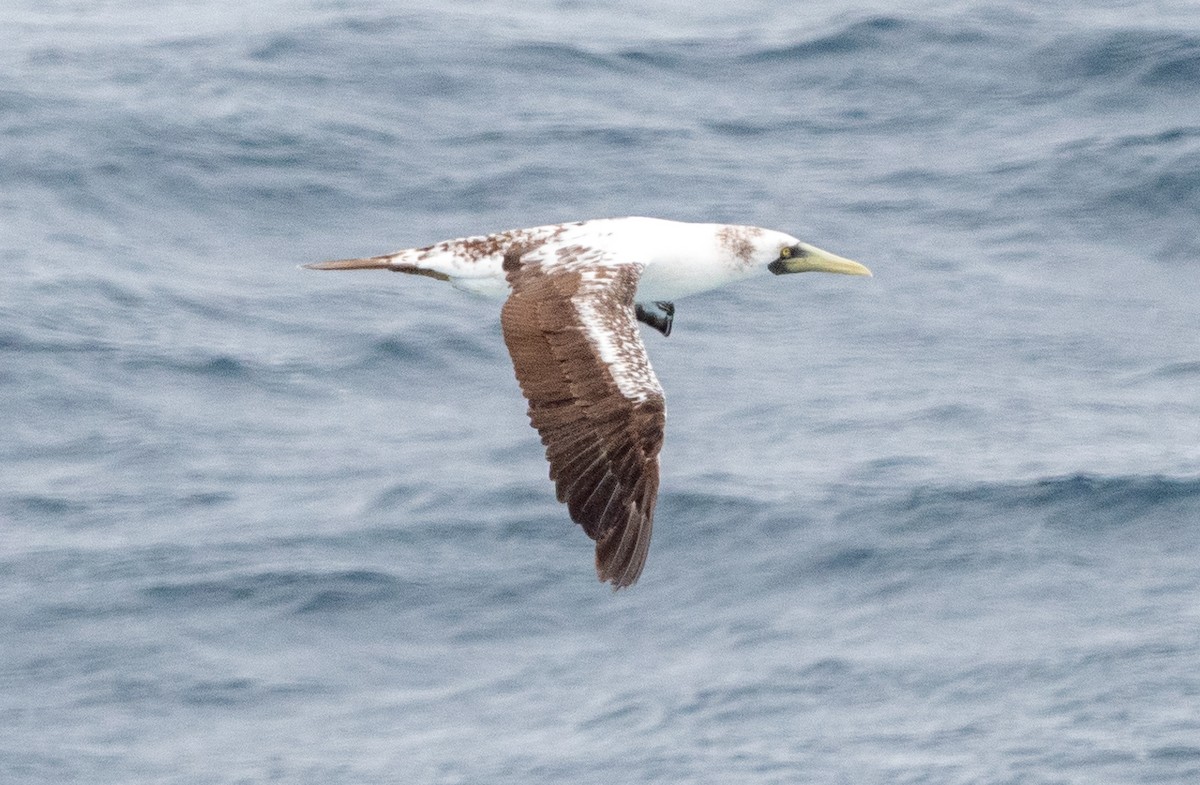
(575,293)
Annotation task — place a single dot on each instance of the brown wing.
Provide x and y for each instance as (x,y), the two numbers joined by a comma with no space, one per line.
(574,342)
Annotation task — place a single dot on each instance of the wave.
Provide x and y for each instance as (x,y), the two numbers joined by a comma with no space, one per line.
(1049,491)
(317,592)
(1147,58)
(1015,51)
(1082,497)
(563,58)
(932,536)
(863,35)
(1078,502)
(1180,370)
(302,591)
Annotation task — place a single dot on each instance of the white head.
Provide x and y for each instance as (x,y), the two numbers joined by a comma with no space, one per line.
(781,253)
(684,259)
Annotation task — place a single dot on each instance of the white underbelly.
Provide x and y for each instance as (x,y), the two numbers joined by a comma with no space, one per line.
(490,287)
(669,282)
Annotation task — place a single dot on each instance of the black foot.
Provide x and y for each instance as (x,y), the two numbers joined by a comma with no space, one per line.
(659,321)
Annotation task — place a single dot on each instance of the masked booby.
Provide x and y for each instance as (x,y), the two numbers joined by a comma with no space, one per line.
(575,292)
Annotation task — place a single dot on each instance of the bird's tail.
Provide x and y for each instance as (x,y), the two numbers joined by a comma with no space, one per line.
(400,262)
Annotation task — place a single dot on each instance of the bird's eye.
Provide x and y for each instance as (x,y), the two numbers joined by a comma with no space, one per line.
(785,252)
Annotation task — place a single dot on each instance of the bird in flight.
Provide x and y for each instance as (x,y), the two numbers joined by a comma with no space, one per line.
(575,292)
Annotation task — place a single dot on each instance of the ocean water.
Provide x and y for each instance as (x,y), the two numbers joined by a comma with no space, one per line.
(260,524)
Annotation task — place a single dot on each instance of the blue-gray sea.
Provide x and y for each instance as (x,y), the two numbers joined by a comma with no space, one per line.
(261,524)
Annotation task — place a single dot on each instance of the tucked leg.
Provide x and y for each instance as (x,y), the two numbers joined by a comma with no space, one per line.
(660,318)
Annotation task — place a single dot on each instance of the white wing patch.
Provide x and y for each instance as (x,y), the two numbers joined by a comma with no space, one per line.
(611,328)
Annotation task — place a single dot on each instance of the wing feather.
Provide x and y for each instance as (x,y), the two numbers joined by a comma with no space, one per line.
(571,331)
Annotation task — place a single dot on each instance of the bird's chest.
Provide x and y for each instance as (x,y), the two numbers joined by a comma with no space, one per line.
(673,278)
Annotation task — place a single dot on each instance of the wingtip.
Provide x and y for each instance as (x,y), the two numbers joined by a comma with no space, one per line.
(623,567)
(618,582)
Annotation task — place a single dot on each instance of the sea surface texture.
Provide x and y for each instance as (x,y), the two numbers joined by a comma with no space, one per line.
(265,524)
